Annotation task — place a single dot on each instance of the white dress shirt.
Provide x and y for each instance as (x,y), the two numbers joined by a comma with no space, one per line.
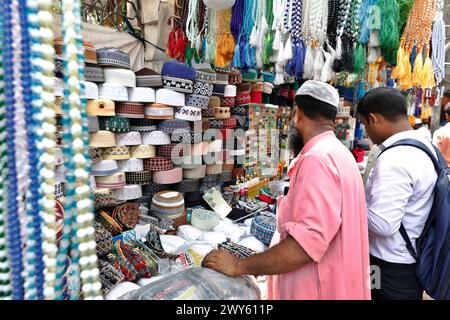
(400,189)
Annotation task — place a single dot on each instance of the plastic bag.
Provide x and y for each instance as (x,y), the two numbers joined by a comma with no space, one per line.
(198,284)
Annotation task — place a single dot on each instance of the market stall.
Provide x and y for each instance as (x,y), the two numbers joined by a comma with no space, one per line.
(117,179)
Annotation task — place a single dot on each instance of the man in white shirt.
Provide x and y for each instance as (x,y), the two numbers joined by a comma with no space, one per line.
(441,137)
(399,190)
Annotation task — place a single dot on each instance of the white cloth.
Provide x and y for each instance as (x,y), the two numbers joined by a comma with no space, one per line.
(400,189)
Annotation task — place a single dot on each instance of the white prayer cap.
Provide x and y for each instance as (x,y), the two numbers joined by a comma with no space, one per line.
(219,4)
(321,91)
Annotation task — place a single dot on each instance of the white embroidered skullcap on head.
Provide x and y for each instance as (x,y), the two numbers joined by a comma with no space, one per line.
(321,91)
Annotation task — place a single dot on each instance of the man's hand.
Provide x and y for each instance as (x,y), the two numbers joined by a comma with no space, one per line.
(223,262)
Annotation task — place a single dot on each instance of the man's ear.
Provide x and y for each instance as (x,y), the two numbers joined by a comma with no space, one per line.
(373,118)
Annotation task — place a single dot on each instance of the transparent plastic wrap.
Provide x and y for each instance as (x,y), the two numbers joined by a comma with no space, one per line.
(198,284)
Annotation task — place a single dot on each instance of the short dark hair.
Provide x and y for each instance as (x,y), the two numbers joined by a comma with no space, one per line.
(316,109)
(386,101)
(447,94)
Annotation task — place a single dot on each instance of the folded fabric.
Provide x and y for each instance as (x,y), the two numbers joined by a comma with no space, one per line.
(100,107)
(93,73)
(171,176)
(158,164)
(116,153)
(104,168)
(113,57)
(142,125)
(112,91)
(188,113)
(203,88)
(114,124)
(142,152)
(196,100)
(132,138)
(105,219)
(102,139)
(142,95)
(93,125)
(168,203)
(240,110)
(130,110)
(148,78)
(158,111)
(170,125)
(193,199)
(155,138)
(177,69)
(115,181)
(138,177)
(178,85)
(205,75)
(128,192)
(130,165)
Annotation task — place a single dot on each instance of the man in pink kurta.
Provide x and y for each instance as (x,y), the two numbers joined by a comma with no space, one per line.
(325,213)
(320,249)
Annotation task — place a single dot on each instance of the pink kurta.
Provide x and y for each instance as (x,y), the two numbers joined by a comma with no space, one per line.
(325,213)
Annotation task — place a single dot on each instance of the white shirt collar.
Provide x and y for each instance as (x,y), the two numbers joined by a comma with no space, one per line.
(403,135)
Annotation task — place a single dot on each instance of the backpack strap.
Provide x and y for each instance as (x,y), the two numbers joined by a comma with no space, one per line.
(438,165)
(438,160)
(409,245)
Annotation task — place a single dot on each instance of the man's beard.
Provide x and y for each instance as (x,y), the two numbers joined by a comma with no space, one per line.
(295,141)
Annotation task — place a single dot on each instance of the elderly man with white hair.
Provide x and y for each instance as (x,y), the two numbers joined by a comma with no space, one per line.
(320,249)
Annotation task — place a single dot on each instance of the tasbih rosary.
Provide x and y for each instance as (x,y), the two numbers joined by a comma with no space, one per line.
(5,284)
(34,265)
(13,221)
(78,231)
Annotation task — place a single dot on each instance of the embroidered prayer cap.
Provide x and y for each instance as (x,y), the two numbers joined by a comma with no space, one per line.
(170,125)
(321,91)
(113,57)
(177,69)
(148,78)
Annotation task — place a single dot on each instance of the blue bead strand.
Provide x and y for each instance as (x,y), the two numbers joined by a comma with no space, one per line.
(13,235)
(34,248)
(5,282)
